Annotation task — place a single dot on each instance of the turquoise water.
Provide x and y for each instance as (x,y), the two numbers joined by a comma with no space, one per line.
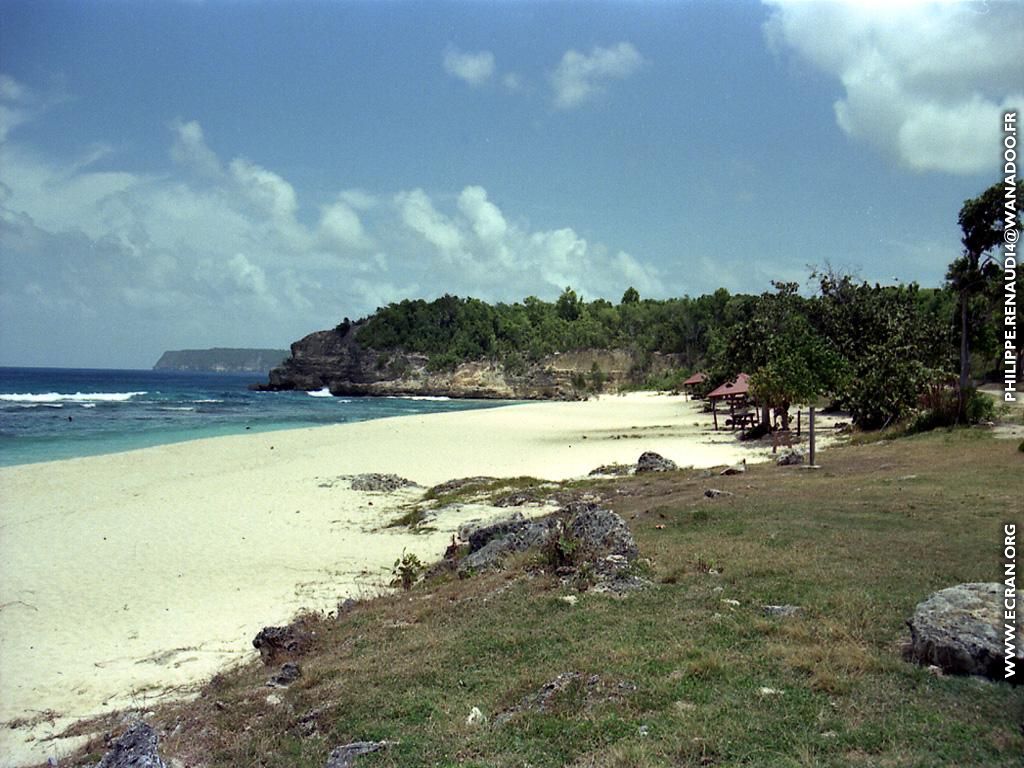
(60,413)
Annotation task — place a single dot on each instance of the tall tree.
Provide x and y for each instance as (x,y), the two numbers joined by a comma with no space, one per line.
(982,221)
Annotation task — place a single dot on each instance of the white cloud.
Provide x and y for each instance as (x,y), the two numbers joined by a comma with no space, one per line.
(580,77)
(15,105)
(341,225)
(513,82)
(216,252)
(190,149)
(473,68)
(419,214)
(488,256)
(926,83)
(265,188)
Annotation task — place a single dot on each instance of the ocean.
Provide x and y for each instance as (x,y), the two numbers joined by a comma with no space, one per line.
(59,413)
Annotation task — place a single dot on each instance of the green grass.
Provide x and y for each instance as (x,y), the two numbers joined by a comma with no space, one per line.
(856,544)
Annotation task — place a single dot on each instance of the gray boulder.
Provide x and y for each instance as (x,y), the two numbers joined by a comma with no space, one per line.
(345,757)
(790,458)
(959,630)
(275,642)
(601,531)
(653,462)
(137,748)
(490,545)
(374,481)
(290,672)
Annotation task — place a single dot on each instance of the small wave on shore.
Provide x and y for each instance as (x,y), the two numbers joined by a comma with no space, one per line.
(78,397)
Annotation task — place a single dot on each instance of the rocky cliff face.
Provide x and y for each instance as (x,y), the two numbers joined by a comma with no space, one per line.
(338,362)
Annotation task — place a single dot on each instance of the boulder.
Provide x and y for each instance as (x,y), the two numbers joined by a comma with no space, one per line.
(137,748)
(290,672)
(600,531)
(790,458)
(274,642)
(959,630)
(737,469)
(489,545)
(653,462)
(345,756)
(782,611)
(714,493)
(374,481)
(613,470)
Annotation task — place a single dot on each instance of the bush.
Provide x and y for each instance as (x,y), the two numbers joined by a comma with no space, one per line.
(979,407)
(406,569)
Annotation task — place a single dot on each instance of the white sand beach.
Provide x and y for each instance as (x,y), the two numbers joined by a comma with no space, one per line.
(130,576)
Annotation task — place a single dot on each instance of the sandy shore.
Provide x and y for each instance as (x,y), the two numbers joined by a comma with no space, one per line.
(129,576)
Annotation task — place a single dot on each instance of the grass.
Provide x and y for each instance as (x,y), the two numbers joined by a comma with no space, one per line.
(683,678)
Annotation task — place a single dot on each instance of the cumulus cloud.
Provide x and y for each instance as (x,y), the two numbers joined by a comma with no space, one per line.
(579,77)
(224,252)
(473,68)
(15,105)
(926,83)
(495,258)
(340,224)
(190,149)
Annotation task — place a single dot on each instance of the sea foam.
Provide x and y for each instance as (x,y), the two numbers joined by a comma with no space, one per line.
(78,397)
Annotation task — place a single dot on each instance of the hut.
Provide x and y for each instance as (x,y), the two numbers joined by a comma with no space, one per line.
(691,383)
(737,395)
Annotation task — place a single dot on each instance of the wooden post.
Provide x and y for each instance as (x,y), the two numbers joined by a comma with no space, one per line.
(714,413)
(810,435)
(799,414)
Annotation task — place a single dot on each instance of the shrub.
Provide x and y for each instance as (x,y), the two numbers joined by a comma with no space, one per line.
(406,569)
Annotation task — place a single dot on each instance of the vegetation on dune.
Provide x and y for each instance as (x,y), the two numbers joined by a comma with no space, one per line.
(687,672)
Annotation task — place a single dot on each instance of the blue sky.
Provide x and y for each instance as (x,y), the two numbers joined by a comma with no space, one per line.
(192,174)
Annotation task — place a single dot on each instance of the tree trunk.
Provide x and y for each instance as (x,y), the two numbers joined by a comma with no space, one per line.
(965,352)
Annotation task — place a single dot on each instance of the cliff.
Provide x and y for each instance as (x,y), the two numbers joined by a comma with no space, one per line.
(340,363)
(220,360)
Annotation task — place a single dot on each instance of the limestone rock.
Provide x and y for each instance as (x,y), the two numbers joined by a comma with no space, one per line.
(790,458)
(613,470)
(274,642)
(345,756)
(489,545)
(653,462)
(374,481)
(137,748)
(737,469)
(782,611)
(290,672)
(601,531)
(959,629)
(714,493)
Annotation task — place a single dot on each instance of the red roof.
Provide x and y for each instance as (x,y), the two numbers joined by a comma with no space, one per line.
(697,378)
(732,388)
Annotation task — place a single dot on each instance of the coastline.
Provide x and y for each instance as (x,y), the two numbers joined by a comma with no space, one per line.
(129,576)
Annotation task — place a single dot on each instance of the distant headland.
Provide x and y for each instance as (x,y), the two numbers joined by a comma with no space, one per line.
(221,360)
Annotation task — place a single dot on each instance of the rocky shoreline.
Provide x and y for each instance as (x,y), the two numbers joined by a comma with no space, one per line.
(336,361)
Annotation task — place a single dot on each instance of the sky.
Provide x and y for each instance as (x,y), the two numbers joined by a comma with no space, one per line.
(189,173)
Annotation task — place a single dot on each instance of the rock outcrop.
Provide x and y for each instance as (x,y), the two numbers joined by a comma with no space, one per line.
(137,748)
(345,757)
(959,630)
(654,462)
(580,536)
(289,641)
(336,360)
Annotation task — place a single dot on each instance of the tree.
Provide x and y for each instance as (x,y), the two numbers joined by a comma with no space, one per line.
(982,222)
(631,296)
(569,306)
